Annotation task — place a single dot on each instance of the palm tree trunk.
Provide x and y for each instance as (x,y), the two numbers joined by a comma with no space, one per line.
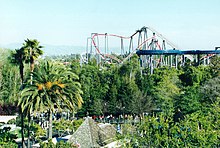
(21,67)
(29,123)
(50,125)
(22,130)
(31,67)
(29,116)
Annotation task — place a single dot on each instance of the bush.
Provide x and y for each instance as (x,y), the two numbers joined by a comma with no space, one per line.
(196,130)
(60,144)
(8,145)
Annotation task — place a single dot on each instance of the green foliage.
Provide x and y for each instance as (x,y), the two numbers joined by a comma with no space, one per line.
(160,131)
(52,83)
(166,88)
(90,79)
(9,80)
(32,50)
(215,66)
(8,145)
(119,89)
(75,66)
(195,75)
(189,100)
(37,130)
(77,123)
(66,126)
(49,144)
(116,89)
(12,121)
(60,144)
(210,91)
(107,90)
(142,103)
(6,135)
(10,84)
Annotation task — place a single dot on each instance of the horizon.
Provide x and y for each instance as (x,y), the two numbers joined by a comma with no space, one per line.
(69,49)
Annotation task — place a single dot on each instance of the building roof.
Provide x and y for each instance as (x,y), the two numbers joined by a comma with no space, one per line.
(89,134)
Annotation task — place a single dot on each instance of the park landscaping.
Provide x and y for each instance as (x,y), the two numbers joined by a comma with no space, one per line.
(169,108)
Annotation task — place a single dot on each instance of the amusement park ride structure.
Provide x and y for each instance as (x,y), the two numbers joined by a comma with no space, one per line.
(152,48)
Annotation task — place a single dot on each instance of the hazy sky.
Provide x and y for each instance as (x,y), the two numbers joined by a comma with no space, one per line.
(188,23)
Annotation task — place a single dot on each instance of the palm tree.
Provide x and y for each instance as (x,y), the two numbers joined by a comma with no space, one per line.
(30,51)
(18,57)
(53,86)
(33,48)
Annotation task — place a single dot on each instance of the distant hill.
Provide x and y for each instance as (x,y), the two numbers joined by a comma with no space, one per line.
(55,50)
(62,50)
(50,50)
(11,46)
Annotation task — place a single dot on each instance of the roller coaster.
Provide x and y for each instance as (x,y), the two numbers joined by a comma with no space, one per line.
(152,47)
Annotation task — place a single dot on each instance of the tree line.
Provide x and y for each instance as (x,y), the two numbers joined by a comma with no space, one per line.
(113,89)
